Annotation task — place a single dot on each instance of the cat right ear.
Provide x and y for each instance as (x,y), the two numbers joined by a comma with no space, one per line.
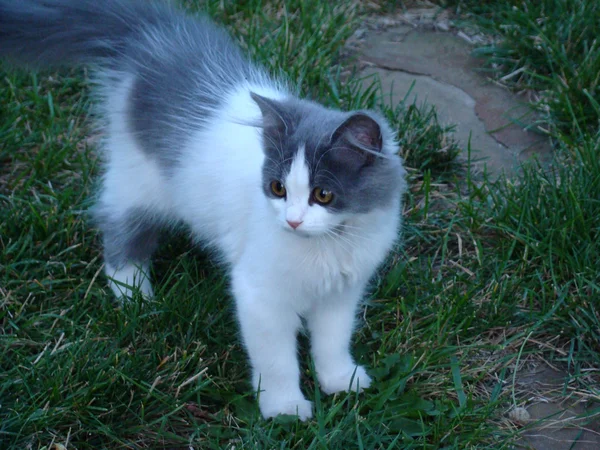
(274,122)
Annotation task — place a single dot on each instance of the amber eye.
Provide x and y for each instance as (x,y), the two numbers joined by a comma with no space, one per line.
(278,188)
(322,196)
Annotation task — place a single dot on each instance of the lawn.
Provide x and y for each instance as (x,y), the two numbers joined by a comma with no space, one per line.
(491,275)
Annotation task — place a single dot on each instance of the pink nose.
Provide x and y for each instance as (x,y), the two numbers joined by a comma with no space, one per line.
(294,225)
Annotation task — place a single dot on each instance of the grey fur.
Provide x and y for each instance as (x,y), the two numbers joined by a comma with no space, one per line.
(130,238)
(43,33)
(181,86)
(343,151)
(181,65)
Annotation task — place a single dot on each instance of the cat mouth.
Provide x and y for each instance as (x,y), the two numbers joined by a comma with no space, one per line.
(300,233)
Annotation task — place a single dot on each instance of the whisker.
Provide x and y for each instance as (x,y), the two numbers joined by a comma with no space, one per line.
(346,243)
(359,236)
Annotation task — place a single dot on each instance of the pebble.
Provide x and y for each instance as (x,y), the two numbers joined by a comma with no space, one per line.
(519,415)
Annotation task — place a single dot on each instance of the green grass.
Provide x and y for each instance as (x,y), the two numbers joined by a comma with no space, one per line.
(490,274)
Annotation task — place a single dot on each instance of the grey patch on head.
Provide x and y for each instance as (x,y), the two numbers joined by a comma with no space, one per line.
(130,238)
(347,153)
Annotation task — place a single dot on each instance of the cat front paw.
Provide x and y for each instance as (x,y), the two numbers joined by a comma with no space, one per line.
(349,378)
(271,406)
(126,281)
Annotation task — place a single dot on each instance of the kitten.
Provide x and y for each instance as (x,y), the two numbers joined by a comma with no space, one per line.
(301,202)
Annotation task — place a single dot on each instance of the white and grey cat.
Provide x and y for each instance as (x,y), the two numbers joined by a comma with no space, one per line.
(302,202)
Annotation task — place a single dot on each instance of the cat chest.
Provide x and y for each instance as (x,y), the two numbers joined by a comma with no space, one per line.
(322,273)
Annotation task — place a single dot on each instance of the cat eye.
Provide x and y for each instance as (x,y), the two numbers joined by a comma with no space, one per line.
(322,196)
(278,189)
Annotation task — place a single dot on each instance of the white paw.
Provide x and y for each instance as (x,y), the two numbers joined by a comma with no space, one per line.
(124,282)
(272,407)
(339,381)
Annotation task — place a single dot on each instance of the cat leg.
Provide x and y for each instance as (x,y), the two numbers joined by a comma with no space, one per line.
(129,238)
(133,204)
(269,329)
(127,215)
(331,323)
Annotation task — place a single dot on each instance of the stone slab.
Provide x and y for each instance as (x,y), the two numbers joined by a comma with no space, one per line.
(447,75)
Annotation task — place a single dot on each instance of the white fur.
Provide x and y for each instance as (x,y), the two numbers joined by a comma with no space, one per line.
(127,279)
(277,274)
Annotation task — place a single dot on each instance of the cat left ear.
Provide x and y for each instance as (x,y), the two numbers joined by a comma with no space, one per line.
(272,113)
(362,133)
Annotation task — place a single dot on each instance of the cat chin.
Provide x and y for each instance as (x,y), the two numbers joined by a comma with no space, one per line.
(302,233)
(308,234)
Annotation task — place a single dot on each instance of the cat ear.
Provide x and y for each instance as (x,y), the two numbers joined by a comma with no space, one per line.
(362,134)
(272,113)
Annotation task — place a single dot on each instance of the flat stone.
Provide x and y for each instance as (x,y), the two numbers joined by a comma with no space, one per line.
(556,422)
(453,106)
(542,379)
(558,427)
(446,75)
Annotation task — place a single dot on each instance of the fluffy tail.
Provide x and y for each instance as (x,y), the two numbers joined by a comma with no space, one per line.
(61,32)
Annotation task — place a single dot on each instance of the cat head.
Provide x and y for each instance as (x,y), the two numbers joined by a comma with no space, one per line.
(322,166)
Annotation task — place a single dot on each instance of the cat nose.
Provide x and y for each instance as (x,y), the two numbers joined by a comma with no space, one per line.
(293,224)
